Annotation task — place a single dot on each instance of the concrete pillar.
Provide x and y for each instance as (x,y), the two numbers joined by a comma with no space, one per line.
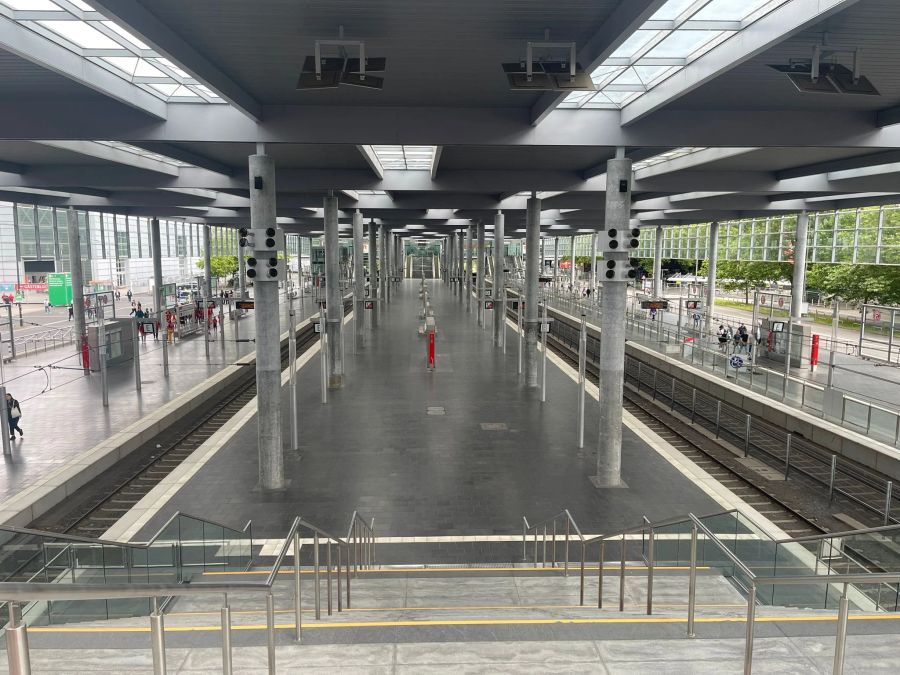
(77,276)
(798,284)
(268,335)
(480,271)
(532,274)
(572,261)
(612,341)
(499,280)
(158,300)
(657,263)
(468,285)
(460,262)
(359,279)
(713,260)
(373,270)
(555,257)
(207,265)
(334,306)
(383,272)
(594,267)
(401,270)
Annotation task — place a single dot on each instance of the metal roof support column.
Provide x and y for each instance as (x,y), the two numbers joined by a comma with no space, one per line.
(657,263)
(532,274)
(482,267)
(77,276)
(460,262)
(798,285)
(373,271)
(612,342)
(572,265)
(359,280)
(713,260)
(334,307)
(499,280)
(158,298)
(268,333)
(468,250)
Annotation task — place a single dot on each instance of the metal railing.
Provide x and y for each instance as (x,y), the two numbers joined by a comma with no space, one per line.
(43,341)
(855,413)
(16,593)
(751,581)
(785,451)
(566,518)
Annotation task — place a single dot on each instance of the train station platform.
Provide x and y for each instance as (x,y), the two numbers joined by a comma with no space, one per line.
(861,397)
(66,427)
(461,452)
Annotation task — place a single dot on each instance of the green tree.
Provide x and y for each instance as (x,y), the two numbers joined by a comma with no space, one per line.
(222,266)
(857,283)
(737,275)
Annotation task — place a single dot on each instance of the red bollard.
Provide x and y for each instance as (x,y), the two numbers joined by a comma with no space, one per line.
(814,351)
(431,350)
(85,353)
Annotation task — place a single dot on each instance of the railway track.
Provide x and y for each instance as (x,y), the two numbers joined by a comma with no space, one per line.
(116,491)
(718,462)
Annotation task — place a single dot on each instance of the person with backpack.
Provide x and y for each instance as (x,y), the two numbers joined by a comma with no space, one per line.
(13,415)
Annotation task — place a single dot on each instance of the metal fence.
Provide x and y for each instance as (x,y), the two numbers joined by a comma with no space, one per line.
(788,452)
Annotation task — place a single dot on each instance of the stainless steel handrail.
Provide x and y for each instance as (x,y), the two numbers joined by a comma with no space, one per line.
(17,592)
(837,535)
(570,523)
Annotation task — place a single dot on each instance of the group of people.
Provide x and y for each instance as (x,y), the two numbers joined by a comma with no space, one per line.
(740,340)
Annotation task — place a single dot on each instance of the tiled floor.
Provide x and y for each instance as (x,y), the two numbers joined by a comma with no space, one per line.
(62,414)
(495,454)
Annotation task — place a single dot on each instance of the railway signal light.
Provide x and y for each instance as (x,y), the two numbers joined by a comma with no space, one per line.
(620,270)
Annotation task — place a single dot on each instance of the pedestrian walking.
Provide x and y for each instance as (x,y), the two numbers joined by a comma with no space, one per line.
(697,318)
(46,305)
(71,311)
(13,415)
(129,295)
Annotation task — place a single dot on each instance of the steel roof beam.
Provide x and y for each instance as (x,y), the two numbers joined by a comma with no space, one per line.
(135,18)
(617,28)
(37,49)
(773,28)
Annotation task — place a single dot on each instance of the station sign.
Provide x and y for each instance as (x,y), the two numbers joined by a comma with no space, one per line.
(59,287)
(245,304)
(369,304)
(488,292)
(489,304)
(317,327)
(31,287)
(654,304)
(692,304)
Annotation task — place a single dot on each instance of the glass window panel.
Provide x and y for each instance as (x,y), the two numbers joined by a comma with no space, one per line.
(125,34)
(81,34)
(31,5)
(45,231)
(671,10)
(728,10)
(27,233)
(682,43)
(634,43)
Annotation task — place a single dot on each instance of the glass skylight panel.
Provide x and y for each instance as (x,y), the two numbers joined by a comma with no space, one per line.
(675,35)
(728,10)
(31,5)
(81,34)
(682,43)
(405,157)
(78,27)
(125,34)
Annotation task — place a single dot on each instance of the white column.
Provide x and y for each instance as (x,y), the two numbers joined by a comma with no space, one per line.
(657,263)
(532,273)
(798,285)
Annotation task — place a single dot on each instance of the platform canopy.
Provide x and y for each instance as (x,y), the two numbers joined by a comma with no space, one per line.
(151,107)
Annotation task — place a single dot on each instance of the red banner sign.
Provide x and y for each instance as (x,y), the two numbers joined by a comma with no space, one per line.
(31,287)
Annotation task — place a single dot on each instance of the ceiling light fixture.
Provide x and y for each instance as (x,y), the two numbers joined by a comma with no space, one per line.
(812,76)
(329,72)
(547,73)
